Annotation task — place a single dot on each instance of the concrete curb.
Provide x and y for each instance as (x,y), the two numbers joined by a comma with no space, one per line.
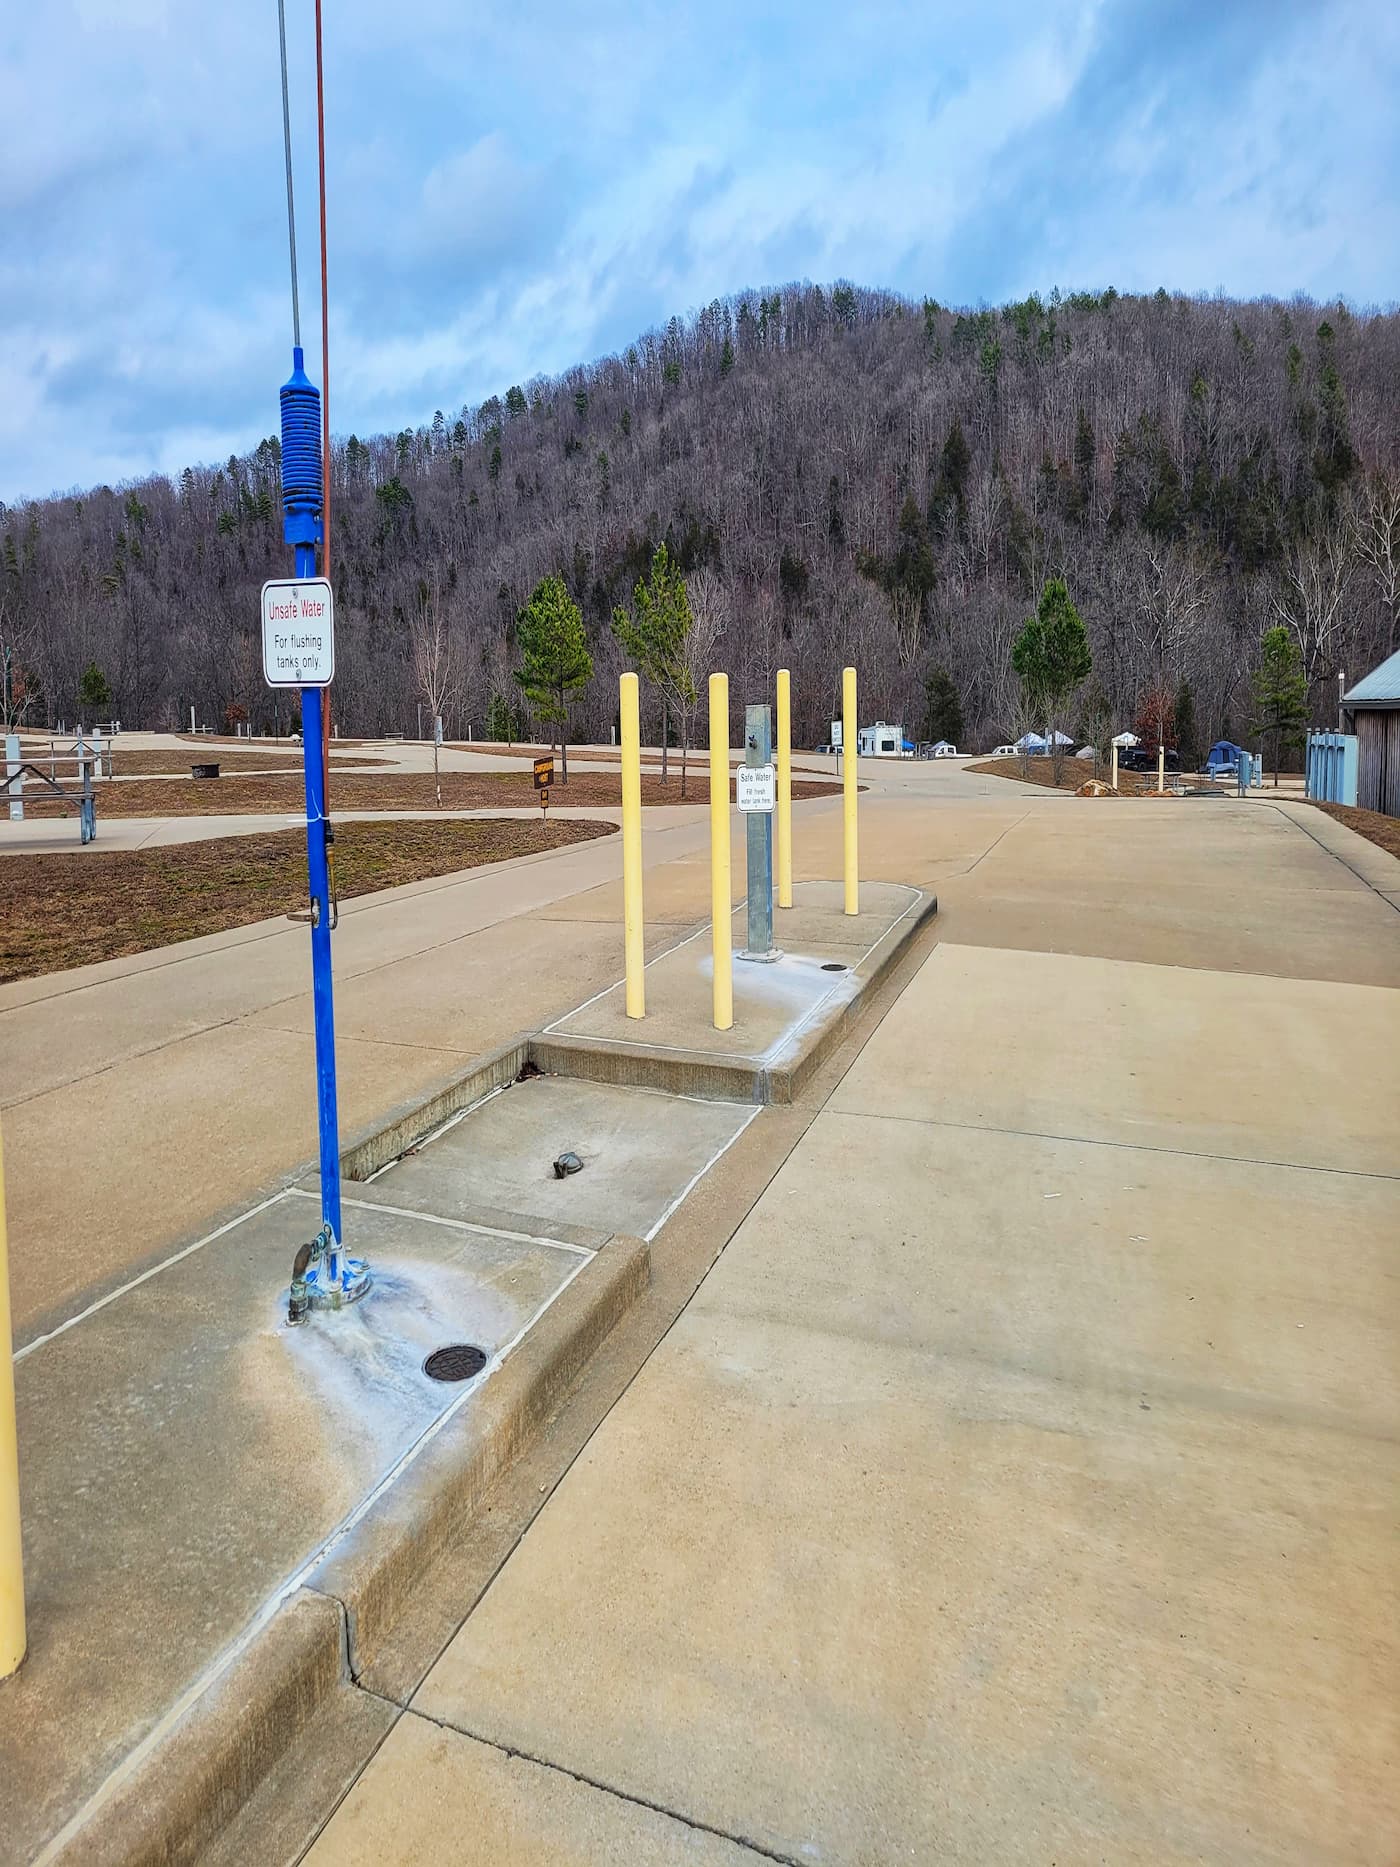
(387,1137)
(378,1565)
(172,1804)
(628,1066)
(167,1807)
(731,1078)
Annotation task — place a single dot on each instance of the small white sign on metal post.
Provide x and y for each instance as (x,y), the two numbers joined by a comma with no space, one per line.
(298,632)
(756,787)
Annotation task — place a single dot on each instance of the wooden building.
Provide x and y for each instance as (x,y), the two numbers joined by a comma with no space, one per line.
(1371,710)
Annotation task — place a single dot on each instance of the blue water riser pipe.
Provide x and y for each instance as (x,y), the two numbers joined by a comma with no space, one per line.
(331,1277)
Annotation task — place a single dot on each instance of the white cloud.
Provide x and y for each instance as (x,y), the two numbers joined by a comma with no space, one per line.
(515,190)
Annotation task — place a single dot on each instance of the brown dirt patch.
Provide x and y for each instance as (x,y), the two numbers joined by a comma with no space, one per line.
(1377,828)
(1077,771)
(177,764)
(487,790)
(70,910)
(603,755)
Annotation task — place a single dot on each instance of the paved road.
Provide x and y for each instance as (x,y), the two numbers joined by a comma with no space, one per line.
(1020,1484)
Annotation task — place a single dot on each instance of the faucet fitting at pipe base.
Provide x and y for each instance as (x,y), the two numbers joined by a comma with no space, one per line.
(325,1278)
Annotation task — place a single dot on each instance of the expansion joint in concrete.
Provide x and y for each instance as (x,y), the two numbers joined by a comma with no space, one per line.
(508,1751)
(1129,1147)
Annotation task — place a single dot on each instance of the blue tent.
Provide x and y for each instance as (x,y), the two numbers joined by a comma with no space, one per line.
(1223,756)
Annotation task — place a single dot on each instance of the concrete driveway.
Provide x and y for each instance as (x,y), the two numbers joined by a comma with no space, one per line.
(1021,1483)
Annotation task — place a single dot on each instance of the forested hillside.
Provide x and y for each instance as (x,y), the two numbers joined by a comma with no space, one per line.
(844,476)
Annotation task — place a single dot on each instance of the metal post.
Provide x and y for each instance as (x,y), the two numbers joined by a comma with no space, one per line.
(1115,765)
(1161,768)
(87,810)
(850,751)
(322,986)
(720,915)
(758,839)
(335,1277)
(632,911)
(12,770)
(784,825)
(12,1638)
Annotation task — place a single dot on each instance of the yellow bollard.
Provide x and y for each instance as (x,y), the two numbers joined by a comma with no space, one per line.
(719,852)
(784,825)
(632,848)
(11,1554)
(850,746)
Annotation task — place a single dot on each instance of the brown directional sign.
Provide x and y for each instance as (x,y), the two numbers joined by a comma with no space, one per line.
(544,773)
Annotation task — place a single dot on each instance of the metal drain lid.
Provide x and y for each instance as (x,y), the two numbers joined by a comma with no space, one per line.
(458,1361)
(834,965)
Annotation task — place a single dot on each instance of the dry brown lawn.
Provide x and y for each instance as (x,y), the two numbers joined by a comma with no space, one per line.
(1078,771)
(585,755)
(272,758)
(351,790)
(1381,830)
(93,904)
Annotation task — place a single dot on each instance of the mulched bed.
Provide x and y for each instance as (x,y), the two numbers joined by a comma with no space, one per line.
(93,904)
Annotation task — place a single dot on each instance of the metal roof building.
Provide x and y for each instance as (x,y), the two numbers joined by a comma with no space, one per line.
(1371,710)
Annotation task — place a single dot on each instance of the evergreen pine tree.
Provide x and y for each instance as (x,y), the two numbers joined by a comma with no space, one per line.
(943,716)
(1280,692)
(555,662)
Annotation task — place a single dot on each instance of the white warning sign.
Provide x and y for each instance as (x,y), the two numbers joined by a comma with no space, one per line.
(756,787)
(298,633)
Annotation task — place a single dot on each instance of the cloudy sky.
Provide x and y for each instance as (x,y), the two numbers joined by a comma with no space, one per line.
(517,188)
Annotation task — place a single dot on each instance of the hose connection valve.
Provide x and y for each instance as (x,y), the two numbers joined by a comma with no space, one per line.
(324,1277)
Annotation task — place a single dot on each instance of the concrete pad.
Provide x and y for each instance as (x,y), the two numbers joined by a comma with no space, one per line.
(186,1454)
(1316,934)
(471,1001)
(81,1215)
(1289,1070)
(860,1603)
(641,1150)
(427,1783)
(1134,1273)
(774,1005)
(60,1039)
(1164,847)
(678,893)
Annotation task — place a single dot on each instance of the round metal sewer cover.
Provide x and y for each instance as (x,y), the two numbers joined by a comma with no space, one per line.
(833,965)
(459,1361)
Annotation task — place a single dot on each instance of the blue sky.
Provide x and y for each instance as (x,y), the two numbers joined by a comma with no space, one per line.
(516,189)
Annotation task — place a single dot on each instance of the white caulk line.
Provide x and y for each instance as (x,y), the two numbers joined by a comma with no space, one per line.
(146,1276)
(456,1225)
(691,1184)
(132,1762)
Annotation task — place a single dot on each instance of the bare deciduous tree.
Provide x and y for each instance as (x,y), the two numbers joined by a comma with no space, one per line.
(437,664)
(1374,515)
(1311,594)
